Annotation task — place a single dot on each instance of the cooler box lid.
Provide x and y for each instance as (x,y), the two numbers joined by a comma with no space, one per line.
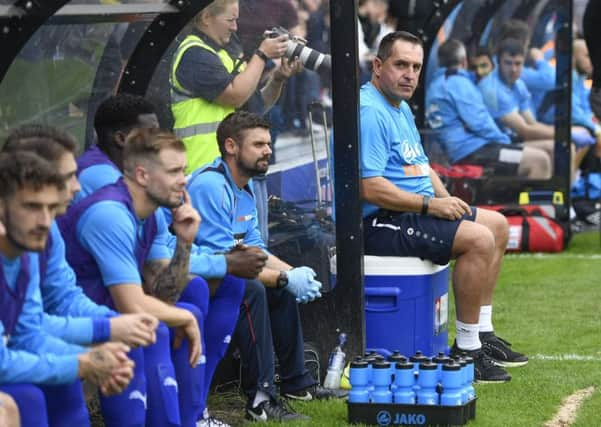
(394,266)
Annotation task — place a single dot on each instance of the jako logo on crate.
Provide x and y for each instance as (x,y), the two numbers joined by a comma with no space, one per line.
(384,418)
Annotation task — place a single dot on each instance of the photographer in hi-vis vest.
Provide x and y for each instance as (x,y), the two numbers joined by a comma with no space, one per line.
(209,78)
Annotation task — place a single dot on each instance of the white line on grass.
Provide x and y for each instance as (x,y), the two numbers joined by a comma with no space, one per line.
(554,256)
(566,414)
(560,357)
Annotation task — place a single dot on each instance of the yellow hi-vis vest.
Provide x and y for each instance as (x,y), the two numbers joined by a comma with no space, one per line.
(196,119)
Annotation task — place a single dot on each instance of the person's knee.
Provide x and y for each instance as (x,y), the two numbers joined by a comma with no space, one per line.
(162,333)
(255,292)
(537,163)
(9,412)
(499,226)
(197,293)
(480,241)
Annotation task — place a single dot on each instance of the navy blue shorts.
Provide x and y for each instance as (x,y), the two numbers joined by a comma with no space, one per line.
(388,233)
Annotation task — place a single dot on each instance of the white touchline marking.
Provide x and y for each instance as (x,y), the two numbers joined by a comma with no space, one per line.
(554,256)
(567,412)
(560,357)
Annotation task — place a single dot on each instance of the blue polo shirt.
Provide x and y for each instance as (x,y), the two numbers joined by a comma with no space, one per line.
(502,99)
(229,213)
(456,110)
(390,145)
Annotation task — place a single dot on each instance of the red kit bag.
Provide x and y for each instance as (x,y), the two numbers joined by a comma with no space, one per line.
(532,230)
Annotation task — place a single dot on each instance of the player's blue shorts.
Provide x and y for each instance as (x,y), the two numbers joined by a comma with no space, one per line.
(388,233)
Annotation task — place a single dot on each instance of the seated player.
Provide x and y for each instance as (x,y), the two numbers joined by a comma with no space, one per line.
(30,193)
(456,110)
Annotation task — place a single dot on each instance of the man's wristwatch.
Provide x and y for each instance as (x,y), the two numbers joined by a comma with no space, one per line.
(425,204)
(262,55)
(282,280)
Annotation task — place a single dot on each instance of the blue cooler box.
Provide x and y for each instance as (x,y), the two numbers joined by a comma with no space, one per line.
(406,305)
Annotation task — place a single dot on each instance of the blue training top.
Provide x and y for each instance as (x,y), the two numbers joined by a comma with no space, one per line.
(391,146)
(539,80)
(28,354)
(68,313)
(456,110)
(107,244)
(582,115)
(95,170)
(229,213)
(501,99)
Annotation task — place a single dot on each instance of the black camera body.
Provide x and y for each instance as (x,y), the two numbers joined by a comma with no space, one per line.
(297,48)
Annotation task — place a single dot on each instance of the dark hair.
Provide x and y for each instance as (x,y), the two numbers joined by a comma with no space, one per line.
(119,113)
(514,29)
(451,53)
(24,133)
(385,48)
(147,143)
(46,148)
(21,169)
(483,51)
(235,123)
(512,47)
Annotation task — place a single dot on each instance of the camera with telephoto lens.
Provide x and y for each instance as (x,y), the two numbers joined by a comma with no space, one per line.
(297,48)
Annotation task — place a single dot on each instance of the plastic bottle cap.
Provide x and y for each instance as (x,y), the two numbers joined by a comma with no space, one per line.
(359,364)
(381,365)
(404,365)
(428,366)
(469,360)
(451,366)
(441,358)
(419,358)
(397,358)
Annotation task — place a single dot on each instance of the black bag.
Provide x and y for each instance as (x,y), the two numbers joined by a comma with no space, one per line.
(302,236)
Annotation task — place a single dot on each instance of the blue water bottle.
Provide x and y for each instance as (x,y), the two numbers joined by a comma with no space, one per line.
(416,359)
(370,364)
(463,364)
(381,382)
(469,383)
(427,381)
(440,360)
(452,384)
(359,378)
(403,383)
(395,358)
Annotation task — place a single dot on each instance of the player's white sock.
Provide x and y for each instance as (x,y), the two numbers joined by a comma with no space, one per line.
(467,336)
(486,318)
(260,397)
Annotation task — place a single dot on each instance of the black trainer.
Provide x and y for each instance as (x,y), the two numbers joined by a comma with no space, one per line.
(316,392)
(500,351)
(485,369)
(273,410)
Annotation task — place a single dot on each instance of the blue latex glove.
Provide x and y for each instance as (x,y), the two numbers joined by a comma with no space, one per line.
(582,138)
(302,284)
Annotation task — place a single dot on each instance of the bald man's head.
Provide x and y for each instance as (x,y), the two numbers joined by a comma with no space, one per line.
(582,61)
